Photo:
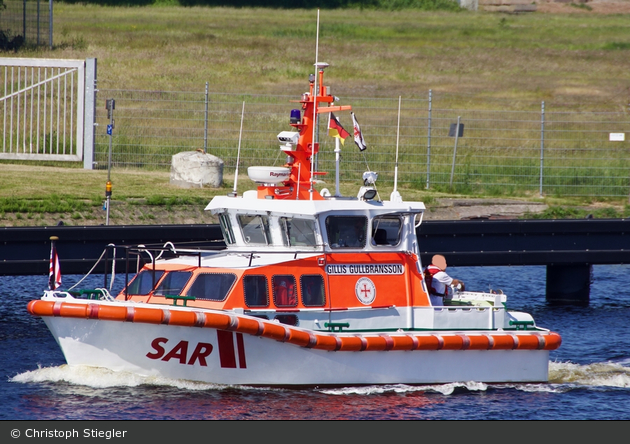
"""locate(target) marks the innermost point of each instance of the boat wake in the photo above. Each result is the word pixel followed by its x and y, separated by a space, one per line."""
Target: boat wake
pixel 563 377
pixel 102 378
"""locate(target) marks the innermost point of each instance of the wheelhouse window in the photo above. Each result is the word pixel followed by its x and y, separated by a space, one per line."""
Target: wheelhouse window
pixel 255 291
pixel 386 230
pixel 312 290
pixel 212 286
pixel 173 283
pixel 144 282
pixel 346 231
pixel 298 232
pixel 255 229
pixel 284 290
pixel 226 228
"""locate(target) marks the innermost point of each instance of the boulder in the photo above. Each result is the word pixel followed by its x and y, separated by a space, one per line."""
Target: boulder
pixel 196 169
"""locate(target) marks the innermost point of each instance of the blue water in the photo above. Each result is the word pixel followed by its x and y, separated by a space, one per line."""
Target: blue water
pixel 589 373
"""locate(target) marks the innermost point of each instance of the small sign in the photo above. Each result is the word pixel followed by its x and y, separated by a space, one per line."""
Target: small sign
pixel 453 129
pixel 109 130
pixel 617 137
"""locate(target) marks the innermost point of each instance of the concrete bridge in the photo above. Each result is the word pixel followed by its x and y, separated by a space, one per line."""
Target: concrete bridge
pixel 568 248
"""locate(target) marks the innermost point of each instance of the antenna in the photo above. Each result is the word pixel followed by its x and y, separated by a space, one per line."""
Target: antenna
pixel 238 155
pixel 395 196
pixel 314 107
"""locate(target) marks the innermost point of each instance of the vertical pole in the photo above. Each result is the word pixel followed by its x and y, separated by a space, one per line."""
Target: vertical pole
pixel 542 145
pixel 238 154
pixel 38 3
pixel 337 153
pixel 205 128
pixel 24 21
pixel 455 151
pixel 429 141
pixel 89 111
pixel 52 274
pixel 395 195
pixel 111 105
pixel 50 23
pixel 315 89
pixel 105 272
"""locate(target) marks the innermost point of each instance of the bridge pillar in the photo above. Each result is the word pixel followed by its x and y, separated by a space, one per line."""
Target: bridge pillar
pixel 569 284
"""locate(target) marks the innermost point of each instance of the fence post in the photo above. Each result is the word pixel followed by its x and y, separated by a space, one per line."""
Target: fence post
pixel 455 151
pixel 38 2
pixel 205 128
pixel 90 114
pixel 542 145
pixel 50 23
pixel 24 20
pixel 429 141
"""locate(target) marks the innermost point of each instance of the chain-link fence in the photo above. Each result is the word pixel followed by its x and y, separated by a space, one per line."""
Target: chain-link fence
pixel 26 22
pixel 499 152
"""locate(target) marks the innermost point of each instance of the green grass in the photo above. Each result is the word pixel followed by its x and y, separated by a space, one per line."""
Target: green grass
pixel 385 52
pixel 470 59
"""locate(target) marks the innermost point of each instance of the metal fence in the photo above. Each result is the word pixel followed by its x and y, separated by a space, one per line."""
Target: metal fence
pixel 532 152
pixel 28 22
pixel 41 109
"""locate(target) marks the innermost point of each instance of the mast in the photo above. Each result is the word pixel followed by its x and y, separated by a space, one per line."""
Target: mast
pixel 300 155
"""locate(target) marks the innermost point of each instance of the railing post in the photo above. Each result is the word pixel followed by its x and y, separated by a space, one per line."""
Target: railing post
pixel 542 145
pixel 429 141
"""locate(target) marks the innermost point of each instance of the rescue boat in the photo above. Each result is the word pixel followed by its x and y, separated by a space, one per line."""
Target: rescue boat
pixel 311 289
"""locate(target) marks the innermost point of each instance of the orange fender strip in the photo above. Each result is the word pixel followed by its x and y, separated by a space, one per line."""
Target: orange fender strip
pixel 40 308
pixel 552 341
pixel 353 343
pixel 182 318
pixel 217 320
pixel 431 342
pixel 325 342
pixel 253 327
pixel 530 342
pixel 455 342
pixel 478 342
pixel 148 315
pixel 109 312
pixel 285 333
pixel 275 331
pixel 503 342
pixel 406 342
pixel 72 310
pixel 301 338
pixel 379 343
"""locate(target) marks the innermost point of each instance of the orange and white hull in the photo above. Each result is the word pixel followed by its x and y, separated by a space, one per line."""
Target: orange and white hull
pixel 228 348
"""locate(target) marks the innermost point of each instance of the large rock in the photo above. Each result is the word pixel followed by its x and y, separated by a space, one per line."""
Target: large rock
pixel 196 169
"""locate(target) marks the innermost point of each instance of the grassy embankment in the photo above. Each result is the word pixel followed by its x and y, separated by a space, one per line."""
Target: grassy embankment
pixel 572 61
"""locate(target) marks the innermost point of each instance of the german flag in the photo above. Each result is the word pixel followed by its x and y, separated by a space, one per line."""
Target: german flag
pixel 335 129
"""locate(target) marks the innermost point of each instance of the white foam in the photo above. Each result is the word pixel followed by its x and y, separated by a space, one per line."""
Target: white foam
pixel 96 377
pixel 445 389
pixel 598 374
pixel 563 376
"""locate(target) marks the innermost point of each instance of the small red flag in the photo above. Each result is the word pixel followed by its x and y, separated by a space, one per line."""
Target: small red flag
pixel 54 274
pixel 358 136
